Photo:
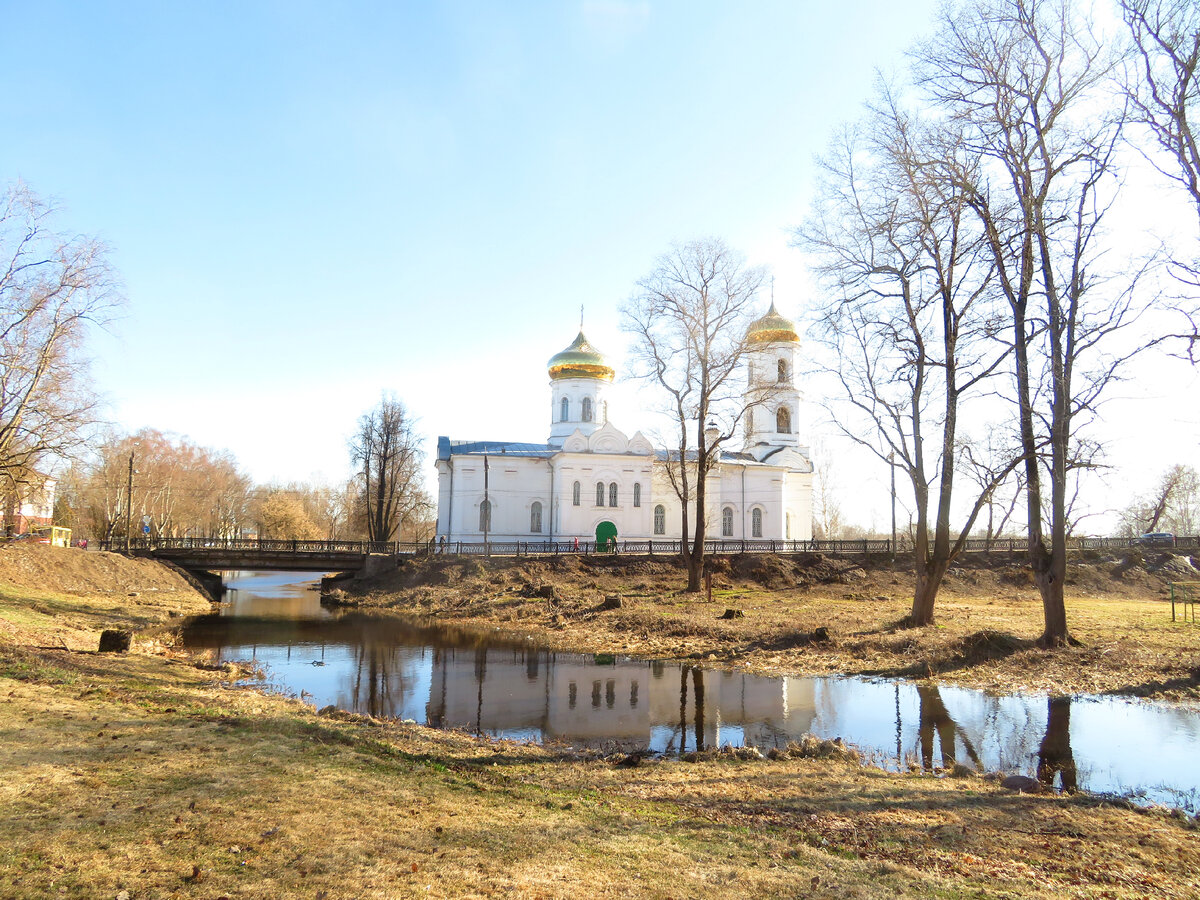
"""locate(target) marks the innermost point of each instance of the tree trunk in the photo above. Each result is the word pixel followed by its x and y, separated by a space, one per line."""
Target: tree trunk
pixel 928 583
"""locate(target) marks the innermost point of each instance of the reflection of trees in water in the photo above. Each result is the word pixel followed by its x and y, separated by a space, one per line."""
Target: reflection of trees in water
pixel 935 719
pixel 371 691
pixel 1054 754
pixel 697 684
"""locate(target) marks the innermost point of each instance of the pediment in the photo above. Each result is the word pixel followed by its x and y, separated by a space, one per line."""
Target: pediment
pixel 640 445
pixel 608 439
pixel 576 443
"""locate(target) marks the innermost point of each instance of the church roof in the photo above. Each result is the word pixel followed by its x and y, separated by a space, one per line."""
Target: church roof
pixel 448 448
pixel 788 461
pixel 771 328
pixel 580 360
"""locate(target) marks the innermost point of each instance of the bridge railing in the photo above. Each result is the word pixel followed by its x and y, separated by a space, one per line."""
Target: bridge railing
pixel 255 545
pixel 561 547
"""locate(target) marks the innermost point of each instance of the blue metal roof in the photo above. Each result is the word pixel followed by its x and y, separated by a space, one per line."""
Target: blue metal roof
pixel 448 448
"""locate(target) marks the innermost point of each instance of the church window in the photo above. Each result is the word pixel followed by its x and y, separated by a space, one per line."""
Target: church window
pixel 587 409
pixel 783 420
pixel 575 494
pixel 756 523
pixel 637 495
pixel 604 412
pixel 782 371
pixel 727 522
pixel 566 410
pixel 485 516
pixel 660 519
pixel 599 493
pixel 612 494
pixel 535 517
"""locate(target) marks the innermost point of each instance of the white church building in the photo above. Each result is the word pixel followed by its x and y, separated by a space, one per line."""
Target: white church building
pixel 592 482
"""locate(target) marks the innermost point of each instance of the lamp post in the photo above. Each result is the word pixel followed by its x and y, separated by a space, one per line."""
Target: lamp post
pixel 129 506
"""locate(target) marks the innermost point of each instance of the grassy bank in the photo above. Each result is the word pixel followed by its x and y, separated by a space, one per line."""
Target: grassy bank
pixel 810 615
pixel 153 774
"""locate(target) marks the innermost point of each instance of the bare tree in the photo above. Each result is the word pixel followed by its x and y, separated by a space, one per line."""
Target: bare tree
pixel 827 511
pixel 909 318
pixel 689 319
pixel 1025 82
pixel 1165 96
pixel 281 515
pixel 51 289
pixel 387 451
pixel 1174 505
pixel 183 488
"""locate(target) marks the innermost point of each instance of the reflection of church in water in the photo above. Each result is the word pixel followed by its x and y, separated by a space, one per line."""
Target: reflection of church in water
pixel 592 481
pixel 637 704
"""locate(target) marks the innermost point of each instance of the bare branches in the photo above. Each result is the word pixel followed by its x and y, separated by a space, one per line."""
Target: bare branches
pixel 387 451
pixel 1165 95
pixel 51 290
pixel 911 317
pixel 689 318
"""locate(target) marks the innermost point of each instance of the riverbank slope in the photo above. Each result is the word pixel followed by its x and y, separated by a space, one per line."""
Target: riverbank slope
pixel 812 614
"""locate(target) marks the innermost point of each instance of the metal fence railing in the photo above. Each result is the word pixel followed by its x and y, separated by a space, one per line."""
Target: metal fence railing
pixel 476 547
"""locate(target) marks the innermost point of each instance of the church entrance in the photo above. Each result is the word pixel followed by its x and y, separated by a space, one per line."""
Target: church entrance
pixel 606 536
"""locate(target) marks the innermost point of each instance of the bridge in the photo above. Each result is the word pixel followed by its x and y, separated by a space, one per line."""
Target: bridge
pixel 208 554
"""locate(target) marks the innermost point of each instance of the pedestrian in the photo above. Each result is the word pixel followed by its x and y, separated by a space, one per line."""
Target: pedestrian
pixel 576 550
pixel 443 544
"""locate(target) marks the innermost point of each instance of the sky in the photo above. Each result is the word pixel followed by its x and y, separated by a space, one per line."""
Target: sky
pixel 312 203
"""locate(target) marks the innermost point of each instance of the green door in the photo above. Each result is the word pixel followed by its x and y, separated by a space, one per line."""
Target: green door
pixel 606 536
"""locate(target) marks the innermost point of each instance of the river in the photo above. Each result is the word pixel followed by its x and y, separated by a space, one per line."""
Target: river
pixel 456 678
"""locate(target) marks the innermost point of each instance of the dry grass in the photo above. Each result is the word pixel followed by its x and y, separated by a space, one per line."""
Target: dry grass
pixel 150 775
pixel 145 774
pixel 985 634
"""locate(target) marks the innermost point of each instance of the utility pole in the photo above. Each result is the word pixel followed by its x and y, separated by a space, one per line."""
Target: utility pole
pixel 487 510
pixel 892 460
pixel 129 505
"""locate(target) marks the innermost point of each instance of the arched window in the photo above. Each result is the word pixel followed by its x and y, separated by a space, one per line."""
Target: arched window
pixel 783 420
pixel 612 494
pixel 535 517
pixel 727 522
pixel 782 371
pixel 566 409
pixel 599 493
pixel 587 409
pixel 660 519
pixel 637 494
pixel 756 523
pixel 485 516
pixel 787 533
pixel 575 494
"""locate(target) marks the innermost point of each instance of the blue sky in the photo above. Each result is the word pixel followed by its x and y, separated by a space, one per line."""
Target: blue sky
pixel 310 203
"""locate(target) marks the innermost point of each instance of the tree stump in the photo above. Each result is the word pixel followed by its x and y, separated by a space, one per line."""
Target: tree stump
pixel 113 640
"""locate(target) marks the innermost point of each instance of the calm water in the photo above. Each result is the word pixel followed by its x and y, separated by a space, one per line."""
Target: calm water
pixel 464 679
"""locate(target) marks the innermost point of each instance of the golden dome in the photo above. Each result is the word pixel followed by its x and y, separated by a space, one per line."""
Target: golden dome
pixel 580 360
pixel 772 328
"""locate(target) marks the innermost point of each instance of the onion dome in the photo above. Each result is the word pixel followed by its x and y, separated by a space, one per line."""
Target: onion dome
pixel 772 328
pixel 580 360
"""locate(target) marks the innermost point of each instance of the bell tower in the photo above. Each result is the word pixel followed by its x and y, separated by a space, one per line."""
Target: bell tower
pixel 772 398
pixel 578 378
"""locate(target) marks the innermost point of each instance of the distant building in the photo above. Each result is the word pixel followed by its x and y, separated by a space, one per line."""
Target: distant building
pixel 592 481
pixel 28 502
